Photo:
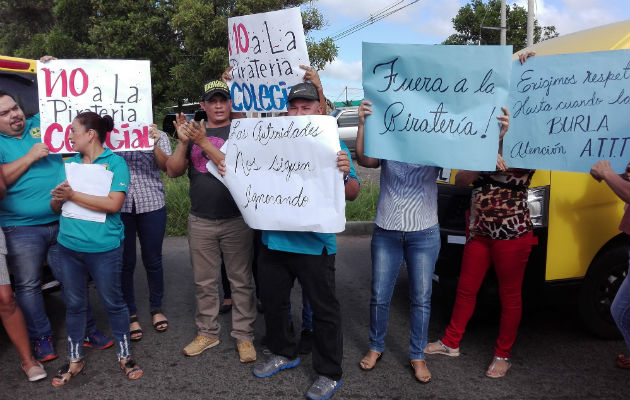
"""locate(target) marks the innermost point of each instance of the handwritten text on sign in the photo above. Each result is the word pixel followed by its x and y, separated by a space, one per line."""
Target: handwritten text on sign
pixel 119 88
pixel 435 105
pixel 283 175
pixel 569 111
pixel 266 51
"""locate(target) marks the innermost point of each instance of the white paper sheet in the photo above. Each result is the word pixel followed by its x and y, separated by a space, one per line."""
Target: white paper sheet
pixel 91 179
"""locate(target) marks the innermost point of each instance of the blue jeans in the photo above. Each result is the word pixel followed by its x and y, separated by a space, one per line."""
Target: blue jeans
pixel 28 247
pixel 620 308
pixel 419 250
pixel 105 269
pixel 150 228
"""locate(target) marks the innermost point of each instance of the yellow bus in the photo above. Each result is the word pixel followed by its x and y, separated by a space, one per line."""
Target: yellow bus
pixel 575 217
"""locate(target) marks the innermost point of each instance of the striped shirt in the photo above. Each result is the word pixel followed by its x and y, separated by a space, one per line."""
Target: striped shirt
pixel 407 201
pixel 146 191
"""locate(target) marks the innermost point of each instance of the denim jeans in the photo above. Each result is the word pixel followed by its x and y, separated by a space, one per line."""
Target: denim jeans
pixel 105 269
pixel 150 227
pixel 419 250
pixel 620 308
pixel 28 247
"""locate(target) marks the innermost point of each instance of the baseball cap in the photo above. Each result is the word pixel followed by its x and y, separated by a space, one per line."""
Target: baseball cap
pixel 213 87
pixel 305 90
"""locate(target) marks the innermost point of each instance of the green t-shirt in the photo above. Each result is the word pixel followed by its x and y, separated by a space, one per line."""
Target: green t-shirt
pixel 27 201
pixel 90 236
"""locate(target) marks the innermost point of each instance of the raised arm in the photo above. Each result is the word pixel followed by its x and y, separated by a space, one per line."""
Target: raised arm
pixel 362 159
pixel 177 163
pixel 160 156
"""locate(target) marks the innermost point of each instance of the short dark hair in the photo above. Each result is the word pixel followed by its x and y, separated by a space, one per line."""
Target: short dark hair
pixel 91 120
pixel 5 93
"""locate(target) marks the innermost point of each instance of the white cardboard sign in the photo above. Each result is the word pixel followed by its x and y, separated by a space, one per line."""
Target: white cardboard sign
pixel 282 173
pixel 120 88
pixel 266 51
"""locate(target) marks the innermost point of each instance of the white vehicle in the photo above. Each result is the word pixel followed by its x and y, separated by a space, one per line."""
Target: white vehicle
pixel 347 125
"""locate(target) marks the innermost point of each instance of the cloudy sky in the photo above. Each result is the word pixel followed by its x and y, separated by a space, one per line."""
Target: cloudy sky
pixel 429 22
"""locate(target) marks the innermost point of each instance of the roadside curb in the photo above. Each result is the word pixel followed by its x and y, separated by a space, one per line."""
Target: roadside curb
pixel 358 228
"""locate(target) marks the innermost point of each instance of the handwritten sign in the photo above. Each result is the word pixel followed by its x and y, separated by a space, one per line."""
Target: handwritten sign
pixel 435 105
pixel 282 173
pixel 119 88
pixel 569 111
pixel 266 51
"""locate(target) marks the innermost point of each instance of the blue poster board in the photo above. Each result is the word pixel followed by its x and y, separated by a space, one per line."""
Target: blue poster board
pixel 570 111
pixel 435 105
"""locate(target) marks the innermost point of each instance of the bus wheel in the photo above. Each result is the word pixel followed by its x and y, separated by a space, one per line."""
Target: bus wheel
pixel 600 286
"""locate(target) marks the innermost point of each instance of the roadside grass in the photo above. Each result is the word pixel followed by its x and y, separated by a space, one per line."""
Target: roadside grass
pixel 178 204
pixel 363 208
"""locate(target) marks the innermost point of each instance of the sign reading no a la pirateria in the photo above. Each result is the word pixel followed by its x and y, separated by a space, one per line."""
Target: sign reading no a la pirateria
pixel 266 51
pixel 119 88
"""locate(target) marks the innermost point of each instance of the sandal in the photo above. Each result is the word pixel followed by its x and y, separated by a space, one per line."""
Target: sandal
pixel 131 369
pixel 623 362
pixel 368 363
pixel 440 348
pixel 137 332
pixel 494 372
pixel 65 373
pixel 422 373
pixel 162 325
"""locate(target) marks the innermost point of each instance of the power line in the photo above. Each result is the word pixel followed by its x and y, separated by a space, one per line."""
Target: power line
pixel 387 11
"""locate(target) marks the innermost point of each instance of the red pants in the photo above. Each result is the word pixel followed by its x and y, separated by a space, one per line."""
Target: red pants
pixel 509 258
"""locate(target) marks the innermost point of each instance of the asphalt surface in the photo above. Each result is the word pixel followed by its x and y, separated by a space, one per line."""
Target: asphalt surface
pixel 553 358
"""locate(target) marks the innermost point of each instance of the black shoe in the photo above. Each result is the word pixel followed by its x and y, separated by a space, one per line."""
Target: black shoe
pixel 306 342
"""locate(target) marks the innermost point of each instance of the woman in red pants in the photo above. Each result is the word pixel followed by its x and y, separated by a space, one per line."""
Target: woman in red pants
pixel 499 233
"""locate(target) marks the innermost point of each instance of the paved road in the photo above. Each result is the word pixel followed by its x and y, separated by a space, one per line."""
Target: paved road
pixel 553 358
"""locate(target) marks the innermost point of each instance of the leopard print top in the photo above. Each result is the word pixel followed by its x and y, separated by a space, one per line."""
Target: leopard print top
pixel 498 207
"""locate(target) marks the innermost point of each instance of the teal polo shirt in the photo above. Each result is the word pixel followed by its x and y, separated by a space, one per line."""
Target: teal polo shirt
pixel 306 242
pixel 96 237
pixel 27 201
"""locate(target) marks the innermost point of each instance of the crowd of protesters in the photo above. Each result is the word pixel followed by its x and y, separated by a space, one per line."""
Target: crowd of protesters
pixel 34 188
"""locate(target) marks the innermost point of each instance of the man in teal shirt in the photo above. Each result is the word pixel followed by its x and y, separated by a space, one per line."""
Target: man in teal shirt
pixel 309 257
pixel 29 224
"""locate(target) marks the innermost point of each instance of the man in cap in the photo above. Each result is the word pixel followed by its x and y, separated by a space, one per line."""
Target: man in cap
pixel 215 228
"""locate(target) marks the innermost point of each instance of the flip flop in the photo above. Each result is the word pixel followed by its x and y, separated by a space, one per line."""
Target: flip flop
pixel 65 374
pixel 417 371
pixel 490 373
pixel 137 332
pixel 159 326
pixel 369 363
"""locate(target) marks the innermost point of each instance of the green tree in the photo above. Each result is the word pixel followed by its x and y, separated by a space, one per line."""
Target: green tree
pixel 186 40
pixel 21 20
pixel 470 18
pixel 202 28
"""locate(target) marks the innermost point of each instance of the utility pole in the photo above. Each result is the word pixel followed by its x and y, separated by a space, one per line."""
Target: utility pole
pixel 530 23
pixel 503 41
